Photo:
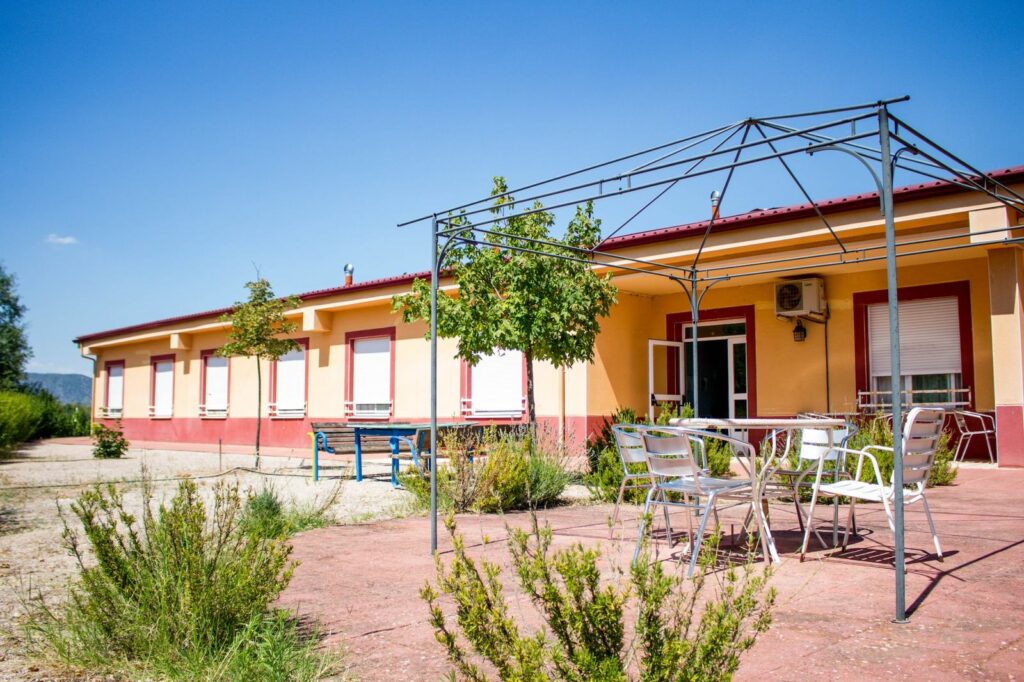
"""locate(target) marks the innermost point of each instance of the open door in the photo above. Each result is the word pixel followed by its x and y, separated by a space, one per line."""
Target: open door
pixel 665 379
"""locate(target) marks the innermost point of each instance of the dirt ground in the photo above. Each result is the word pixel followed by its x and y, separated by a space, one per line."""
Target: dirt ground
pixel 41 477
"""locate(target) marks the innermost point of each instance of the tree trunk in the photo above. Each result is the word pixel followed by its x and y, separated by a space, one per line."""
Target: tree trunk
pixel 259 409
pixel 531 407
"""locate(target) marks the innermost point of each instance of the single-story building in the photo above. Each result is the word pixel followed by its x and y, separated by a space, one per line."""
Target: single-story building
pixel 811 337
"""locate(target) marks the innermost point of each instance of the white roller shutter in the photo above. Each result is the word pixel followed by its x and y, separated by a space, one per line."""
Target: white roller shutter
pixel 163 388
pixel 216 398
pixel 498 384
pixel 929 337
pixel 115 389
pixel 371 376
pixel 291 384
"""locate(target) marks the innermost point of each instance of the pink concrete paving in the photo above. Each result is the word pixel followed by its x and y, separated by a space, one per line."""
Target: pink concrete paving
pixel 833 614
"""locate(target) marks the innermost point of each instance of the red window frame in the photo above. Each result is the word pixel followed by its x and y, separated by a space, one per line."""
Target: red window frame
pixel 350 339
pixel 204 356
pixel 106 387
pixel 960 290
pixel 466 393
pixel 153 360
pixel 272 387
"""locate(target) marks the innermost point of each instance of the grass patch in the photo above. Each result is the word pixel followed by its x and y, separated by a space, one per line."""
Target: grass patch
pixel 267 516
pixel 182 593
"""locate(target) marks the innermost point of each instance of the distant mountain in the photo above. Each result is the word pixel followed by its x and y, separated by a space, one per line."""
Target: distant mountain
pixel 67 388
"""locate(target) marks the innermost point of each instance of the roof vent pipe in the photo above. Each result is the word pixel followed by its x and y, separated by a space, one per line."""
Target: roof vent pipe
pixel 349 269
pixel 716 197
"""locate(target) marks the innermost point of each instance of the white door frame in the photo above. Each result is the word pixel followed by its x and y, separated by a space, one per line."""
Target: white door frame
pixel 654 398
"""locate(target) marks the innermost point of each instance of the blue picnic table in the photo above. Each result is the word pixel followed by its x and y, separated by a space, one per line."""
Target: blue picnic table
pixel 415 435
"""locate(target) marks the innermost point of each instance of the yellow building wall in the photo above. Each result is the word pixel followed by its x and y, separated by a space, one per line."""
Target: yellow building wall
pixel 790 376
pixel 326 378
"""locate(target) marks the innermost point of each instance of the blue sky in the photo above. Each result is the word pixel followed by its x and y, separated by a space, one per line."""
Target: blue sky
pixel 150 153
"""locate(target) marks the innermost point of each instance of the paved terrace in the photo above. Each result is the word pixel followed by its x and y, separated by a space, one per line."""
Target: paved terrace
pixel 832 618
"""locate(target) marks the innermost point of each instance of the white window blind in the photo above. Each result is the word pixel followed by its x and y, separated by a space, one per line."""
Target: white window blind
pixel 929 337
pixel 497 384
pixel 371 377
pixel 291 384
pixel 215 399
pixel 163 388
pixel 115 389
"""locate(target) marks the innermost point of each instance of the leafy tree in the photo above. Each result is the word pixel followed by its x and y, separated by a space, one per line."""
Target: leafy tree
pixel 14 348
pixel 539 304
pixel 257 326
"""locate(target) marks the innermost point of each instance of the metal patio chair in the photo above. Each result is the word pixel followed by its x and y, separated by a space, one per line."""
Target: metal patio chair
pixel 630 447
pixel 920 439
pixel 675 471
pixel 984 425
pixel 817 453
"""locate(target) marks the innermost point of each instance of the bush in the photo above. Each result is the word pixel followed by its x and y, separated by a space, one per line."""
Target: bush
pixel 878 431
pixel 31 414
pixel 586 617
pixel 517 471
pixel 183 594
pixel 266 516
pixel 108 443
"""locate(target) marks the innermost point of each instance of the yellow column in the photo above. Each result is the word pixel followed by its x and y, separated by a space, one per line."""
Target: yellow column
pixel 1006 292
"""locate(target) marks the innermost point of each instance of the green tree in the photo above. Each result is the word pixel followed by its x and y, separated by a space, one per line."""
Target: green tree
pixel 257 326
pixel 539 304
pixel 14 348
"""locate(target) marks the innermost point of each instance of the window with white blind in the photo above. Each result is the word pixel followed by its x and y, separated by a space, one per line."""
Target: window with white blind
pixel 162 397
pixel 930 360
pixel 115 389
pixel 290 385
pixel 215 387
pixel 371 378
pixel 496 386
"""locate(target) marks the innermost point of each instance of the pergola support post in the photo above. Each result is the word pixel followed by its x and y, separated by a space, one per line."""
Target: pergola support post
pixel 894 354
pixel 435 269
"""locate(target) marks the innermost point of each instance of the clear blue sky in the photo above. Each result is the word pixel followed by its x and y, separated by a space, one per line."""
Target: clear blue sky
pixel 150 153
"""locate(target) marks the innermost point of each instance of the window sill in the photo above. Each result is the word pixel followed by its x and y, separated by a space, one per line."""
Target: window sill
pixel 215 417
pixel 287 417
pixel 161 417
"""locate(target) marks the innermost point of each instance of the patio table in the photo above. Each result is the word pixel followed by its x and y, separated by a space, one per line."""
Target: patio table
pixel 760 475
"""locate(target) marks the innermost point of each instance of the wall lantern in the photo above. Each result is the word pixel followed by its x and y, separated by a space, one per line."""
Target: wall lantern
pixel 799 331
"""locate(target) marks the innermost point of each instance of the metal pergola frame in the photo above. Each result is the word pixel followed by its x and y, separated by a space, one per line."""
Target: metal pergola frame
pixel 660 168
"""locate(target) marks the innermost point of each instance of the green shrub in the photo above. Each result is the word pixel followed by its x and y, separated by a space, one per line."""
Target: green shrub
pixel 266 516
pixel 586 637
pixel 108 443
pixel 181 594
pixel 31 413
pixel 878 431
pixel 516 471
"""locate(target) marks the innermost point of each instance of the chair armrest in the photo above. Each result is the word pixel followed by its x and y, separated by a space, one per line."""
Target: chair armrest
pixel 861 454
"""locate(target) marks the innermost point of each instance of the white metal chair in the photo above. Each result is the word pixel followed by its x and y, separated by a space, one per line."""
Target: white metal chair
pixel 984 425
pixel 674 470
pixel 920 439
pixel 630 447
pixel 818 449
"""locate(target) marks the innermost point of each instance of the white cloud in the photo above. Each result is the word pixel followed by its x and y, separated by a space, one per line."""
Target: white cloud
pixel 61 241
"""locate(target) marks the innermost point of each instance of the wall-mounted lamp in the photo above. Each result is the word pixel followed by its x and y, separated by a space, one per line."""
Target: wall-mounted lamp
pixel 799 331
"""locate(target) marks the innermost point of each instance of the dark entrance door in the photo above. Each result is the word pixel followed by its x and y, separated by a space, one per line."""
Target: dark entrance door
pixel 713 373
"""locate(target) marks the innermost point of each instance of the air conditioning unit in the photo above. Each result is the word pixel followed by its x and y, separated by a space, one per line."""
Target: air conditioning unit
pixel 797 297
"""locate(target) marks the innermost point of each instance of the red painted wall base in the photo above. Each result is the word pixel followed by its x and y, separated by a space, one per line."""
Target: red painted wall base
pixel 1010 435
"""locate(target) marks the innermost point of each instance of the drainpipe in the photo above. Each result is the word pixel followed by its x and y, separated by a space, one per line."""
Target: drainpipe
pixel 561 407
pixel 92 391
